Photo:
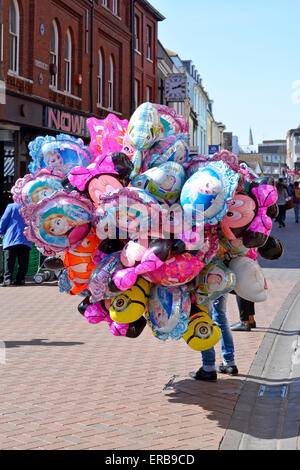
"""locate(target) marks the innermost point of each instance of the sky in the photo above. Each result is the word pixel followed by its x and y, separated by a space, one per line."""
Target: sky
pixel 248 56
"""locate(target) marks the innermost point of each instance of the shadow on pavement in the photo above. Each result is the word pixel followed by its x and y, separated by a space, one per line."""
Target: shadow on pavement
pixel 39 342
pixel 218 402
pixel 275 331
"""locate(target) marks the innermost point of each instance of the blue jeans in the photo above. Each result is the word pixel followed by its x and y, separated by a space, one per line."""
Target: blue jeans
pixel 218 315
pixel 297 211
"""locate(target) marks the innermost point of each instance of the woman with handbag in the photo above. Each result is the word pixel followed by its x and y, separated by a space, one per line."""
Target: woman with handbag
pixel 283 197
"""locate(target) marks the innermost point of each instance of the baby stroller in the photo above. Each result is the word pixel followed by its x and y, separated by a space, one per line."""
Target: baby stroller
pixel 43 274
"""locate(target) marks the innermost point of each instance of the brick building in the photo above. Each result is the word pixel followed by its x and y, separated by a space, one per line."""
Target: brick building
pixel 145 52
pixel 62 61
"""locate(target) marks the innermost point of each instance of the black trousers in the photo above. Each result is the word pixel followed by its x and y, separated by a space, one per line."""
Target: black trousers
pixel 246 308
pixel 20 252
pixel 282 213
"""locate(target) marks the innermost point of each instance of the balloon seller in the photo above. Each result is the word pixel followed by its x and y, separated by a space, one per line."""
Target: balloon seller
pixel 145 234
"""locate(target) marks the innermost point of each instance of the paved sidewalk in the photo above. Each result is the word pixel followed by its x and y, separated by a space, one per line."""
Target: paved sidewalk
pixel 66 384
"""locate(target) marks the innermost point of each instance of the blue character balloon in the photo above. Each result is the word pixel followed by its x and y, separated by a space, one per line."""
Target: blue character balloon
pixel 205 194
pixel 61 153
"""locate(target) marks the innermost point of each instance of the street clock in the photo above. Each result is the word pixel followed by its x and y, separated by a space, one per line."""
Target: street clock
pixel 175 87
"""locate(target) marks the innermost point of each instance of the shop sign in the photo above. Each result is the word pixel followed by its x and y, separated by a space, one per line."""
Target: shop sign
pixel 213 149
pixel 64 121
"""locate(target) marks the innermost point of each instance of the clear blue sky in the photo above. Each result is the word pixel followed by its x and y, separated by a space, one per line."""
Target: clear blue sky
pixel 248 55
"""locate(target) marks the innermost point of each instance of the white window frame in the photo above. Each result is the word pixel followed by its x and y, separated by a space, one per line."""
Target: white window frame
pixel 148 94
pixel 111 84
pixel 148 42
pixel 100 79
pixel 104 3
pixel 68 64
pixel 54 54
pixel 115 7
pixel 136 33
pixel 15 36
pixel 1 42
pixel 136 93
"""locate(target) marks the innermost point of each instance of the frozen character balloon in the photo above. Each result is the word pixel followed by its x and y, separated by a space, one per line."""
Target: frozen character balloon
pixel 62 153
pixel 206 193
pixel 168 312
pixel 59 222
pixel 35 188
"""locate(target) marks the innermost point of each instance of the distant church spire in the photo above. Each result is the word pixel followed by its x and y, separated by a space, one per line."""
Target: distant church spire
pixel 250 137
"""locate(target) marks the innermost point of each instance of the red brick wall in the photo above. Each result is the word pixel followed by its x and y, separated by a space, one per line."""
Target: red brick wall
pixel 145 69
pixel 111 32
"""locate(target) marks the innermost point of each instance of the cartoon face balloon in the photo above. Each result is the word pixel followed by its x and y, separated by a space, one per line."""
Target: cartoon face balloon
pixel 207 191
pixel 213 281
pixel 163 182
pixel 241 212
pixel 60 222
pixel 202 333
pixel 130 305
pixel 168 312
pixel 35 188
pixel 62 153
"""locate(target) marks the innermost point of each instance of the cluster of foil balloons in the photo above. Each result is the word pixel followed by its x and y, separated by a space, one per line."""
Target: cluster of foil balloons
pixel 144 232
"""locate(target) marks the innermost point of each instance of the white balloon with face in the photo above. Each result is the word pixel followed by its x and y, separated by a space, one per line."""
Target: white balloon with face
pixel 250 280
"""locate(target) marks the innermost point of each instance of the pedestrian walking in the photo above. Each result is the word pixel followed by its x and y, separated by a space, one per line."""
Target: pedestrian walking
pixel 283 196
pixel 15 245
pixel 247 312
pixel 296 200
pixel 208 371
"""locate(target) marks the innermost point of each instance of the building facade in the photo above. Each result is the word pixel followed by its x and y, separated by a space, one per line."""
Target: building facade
pixel 62 61
pixel 215 132
pixel 145 52
pixel 293 150
pixel 274 157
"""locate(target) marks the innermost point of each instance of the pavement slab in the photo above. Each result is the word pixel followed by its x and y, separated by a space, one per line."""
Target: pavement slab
pixel 68 384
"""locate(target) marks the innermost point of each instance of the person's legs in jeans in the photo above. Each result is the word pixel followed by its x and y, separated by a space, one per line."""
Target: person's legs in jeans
pixel 23 260
pixel 218 315
pixel 10 254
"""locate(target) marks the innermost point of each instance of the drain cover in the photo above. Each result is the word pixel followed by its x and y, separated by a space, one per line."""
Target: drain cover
pixel 269 391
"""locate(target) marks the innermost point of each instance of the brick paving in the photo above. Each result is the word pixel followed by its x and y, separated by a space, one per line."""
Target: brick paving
pixel 67 384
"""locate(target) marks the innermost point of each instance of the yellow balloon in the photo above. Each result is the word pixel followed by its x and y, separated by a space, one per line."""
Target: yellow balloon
pixel 202 332
pixel 131 304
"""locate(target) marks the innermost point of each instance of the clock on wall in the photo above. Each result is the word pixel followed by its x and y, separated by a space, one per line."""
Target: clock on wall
pixel 175 87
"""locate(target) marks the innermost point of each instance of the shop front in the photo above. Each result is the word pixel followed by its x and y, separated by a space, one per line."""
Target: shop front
pixel 23 119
